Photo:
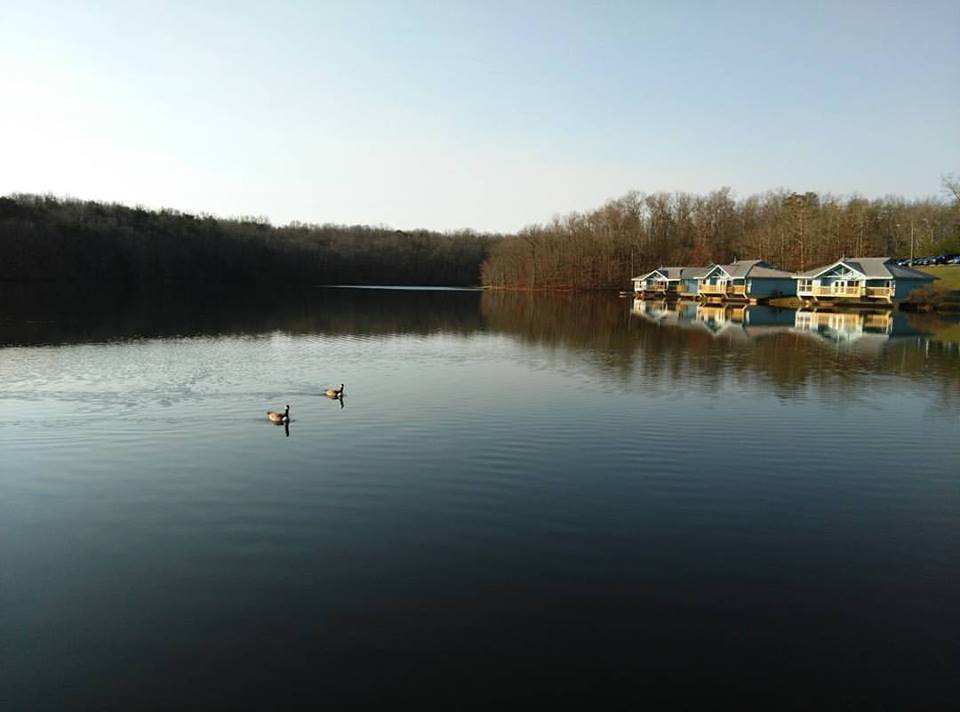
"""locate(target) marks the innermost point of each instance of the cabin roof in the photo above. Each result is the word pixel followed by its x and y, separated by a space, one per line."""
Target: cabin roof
pixel 754 269
pixel 871 268
pixel 674 274
pixel 695 272
pixel 647 274
pixel 713 269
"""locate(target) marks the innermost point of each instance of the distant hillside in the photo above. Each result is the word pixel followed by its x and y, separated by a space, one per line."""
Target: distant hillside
pixel 43 238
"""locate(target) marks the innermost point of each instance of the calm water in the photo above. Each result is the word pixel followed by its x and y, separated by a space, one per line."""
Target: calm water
pixel 556 499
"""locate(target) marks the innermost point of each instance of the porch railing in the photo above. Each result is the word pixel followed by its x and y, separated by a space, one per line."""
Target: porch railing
pixel 833 291
pixel 724 289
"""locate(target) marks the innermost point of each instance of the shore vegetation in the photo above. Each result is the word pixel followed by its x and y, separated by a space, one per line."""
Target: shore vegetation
pixel 49 239
pixel 604 248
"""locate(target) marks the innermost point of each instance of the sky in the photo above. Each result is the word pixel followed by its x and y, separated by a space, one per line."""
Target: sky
pixel 488 115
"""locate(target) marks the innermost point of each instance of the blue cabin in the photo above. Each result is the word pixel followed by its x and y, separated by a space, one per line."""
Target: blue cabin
pixel 860 279
pixel 745 280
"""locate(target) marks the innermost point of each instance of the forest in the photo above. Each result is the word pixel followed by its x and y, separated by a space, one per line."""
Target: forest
pixel 50 239
pixel 604 248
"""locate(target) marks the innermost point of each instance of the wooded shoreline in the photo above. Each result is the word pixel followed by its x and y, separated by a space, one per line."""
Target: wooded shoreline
pixel 632 235
pixel 51 239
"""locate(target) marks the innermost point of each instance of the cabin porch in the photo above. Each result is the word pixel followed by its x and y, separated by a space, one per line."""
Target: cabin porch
pixel 845 291
pixel 724 291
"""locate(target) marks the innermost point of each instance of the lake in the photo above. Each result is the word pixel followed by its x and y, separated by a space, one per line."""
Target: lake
pixel 568 499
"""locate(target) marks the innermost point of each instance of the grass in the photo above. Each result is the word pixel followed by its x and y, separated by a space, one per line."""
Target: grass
pixel 949 275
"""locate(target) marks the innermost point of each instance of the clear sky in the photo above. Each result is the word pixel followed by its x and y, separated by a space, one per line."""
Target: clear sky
pixel 482 114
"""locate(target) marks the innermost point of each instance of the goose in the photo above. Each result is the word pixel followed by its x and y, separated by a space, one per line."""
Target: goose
pixel 275 417
pixel 334 392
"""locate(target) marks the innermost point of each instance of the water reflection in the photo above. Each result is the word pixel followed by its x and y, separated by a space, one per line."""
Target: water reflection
pixel 875 327
pixel 665 348
pixel 752 322
pixel 60 314
pixel 475 508
pixel 731 320
pixel 627 342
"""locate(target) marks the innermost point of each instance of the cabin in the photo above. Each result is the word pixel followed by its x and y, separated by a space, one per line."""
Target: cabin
pixel 745 280
pixel 860 280
pixel 669 283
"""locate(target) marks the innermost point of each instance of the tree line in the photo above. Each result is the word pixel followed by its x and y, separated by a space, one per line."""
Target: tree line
pixel 604 248
pixel 50 239
pixel 47 239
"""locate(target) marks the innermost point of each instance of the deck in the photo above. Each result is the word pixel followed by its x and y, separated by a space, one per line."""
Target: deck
pixel 725 292
pixel 853 293
pixel 664 291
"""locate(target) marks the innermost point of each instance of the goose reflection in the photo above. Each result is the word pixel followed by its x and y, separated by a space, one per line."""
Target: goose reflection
pixel 285 423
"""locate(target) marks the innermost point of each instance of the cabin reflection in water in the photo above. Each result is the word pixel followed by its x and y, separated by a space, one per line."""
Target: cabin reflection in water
pixel 728 320
pixel 750 322
pixel 856 326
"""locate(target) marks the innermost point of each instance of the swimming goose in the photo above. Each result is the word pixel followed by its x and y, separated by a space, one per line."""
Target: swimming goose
pixel 276 417
pixel 334 392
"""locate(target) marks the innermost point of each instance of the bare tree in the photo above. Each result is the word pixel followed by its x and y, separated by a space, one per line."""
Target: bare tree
pixel 951 186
